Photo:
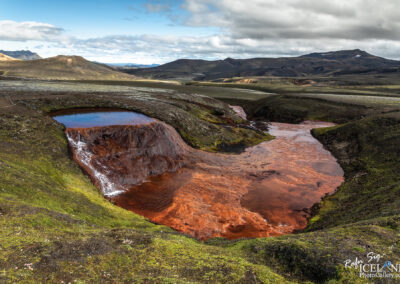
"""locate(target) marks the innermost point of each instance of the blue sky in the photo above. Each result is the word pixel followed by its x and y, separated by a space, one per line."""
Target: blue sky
pixel 154 31
pixel 100 17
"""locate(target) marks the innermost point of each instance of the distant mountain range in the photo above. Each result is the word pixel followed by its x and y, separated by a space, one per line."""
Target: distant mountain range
pixel 132 65
pixel 327 64
pixel 315 64
pixel 61 68
pixel 21 54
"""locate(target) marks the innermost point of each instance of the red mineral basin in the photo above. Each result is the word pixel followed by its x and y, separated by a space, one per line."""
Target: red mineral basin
pixel 261 192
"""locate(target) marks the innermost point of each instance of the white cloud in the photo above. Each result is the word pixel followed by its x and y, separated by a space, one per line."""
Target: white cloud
pixel 156 7
pixel 25 31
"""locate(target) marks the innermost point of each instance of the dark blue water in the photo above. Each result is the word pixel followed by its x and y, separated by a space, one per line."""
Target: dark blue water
pixel 102 118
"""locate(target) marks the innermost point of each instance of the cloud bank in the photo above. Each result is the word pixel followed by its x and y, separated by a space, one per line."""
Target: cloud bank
pixel 251 28
pixel 299 19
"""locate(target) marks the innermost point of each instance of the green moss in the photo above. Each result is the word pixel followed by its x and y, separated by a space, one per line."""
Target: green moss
pixel 368 151
pixel 359 249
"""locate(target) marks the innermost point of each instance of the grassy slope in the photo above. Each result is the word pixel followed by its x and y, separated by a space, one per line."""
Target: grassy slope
pixel 296 109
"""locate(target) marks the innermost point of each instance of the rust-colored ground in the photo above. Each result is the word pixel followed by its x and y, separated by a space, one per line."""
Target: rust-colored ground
pixel 261 192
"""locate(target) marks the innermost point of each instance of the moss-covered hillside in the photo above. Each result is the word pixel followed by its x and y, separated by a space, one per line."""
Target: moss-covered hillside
pixel 369 152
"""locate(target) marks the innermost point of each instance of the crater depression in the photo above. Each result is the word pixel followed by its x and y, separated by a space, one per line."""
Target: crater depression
pixel 143 165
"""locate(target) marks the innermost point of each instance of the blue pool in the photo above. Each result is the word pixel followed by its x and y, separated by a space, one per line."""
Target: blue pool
pixel 101 118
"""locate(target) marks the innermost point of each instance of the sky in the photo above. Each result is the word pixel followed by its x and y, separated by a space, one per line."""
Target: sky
pixel 156 32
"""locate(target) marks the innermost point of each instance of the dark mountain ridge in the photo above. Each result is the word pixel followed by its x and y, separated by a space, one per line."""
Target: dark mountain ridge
pixel 327 64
